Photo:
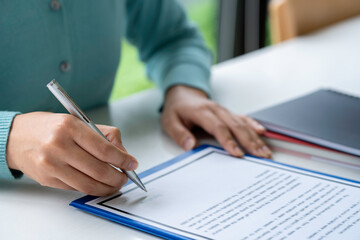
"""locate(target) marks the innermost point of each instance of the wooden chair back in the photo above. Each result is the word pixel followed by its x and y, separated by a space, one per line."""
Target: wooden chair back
pixel 291 18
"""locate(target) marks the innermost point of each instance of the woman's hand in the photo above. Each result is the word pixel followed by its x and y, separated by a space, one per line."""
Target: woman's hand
pixel 186 107
pixel 61 151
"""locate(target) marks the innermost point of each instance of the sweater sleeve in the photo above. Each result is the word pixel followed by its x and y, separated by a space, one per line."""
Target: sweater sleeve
pixel 6 119
pixel 171 46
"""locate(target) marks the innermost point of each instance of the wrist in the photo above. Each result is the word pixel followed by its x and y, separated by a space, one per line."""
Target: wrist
pixel 184 91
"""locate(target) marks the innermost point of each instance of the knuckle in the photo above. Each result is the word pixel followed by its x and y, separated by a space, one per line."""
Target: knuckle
pixel 43 184
pixel 43 181
pixel 203 107
pixel 63 127
pixel 254 137
pixel 249 120
pixel 212 105
pixel 252 145
pixel 238 125
pixel 230 142
pixel 260 142
pixel 46 163
pixel 66 121
pixel 104 150
pixel 90 188
pixel 115 131
pixel 99 172
pixel 220 126
pixel 52 140
pixel 243 118
pixel 246 136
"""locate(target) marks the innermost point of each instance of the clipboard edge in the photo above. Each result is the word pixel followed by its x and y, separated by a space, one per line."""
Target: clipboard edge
pixel 81 205
pixel 81 202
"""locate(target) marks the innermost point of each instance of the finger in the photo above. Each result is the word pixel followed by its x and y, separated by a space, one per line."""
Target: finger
pixel 256 126
pixel 177 131
pixel 239 130
pixel 113 134
pixel 213 125
pixel 56 183
pixel 262 149
pixel 244 134
pixel 102 149
pixel 96 169
pixel 83 183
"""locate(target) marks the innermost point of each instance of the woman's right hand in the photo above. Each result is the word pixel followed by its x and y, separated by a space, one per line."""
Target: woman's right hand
pixel 61 151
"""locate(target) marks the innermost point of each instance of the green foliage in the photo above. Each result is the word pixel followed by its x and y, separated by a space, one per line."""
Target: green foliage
pixel 130 77
pixel 205 15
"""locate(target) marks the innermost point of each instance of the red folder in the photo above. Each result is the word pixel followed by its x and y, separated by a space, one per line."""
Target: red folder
pixel 285 138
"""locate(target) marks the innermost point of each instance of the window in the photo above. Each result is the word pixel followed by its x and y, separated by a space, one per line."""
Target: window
pixel 131 78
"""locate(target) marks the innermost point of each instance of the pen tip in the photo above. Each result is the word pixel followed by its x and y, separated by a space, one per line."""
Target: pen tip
pixel 141 186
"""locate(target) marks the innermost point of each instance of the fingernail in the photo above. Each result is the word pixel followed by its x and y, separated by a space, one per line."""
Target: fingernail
pixel 262 151
pixel 132 165
pixel 260 127
pixel 268 151
pixel 238 151
pixel 189 144
pixel 259 151
pixel 265 151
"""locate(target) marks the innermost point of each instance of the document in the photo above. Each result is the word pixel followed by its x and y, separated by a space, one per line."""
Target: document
pixel 212 195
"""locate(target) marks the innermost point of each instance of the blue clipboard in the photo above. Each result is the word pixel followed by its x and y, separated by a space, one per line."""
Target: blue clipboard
pixel 81 203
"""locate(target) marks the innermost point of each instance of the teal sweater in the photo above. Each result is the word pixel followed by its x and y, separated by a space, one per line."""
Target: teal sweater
pixel 78 44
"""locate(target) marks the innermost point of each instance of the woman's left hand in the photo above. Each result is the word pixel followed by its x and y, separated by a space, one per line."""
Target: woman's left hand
pixel 186 107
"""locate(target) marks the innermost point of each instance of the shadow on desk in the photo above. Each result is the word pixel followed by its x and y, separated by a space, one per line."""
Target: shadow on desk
pixel 28 187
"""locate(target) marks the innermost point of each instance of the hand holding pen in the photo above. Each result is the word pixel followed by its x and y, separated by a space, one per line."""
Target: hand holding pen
pixel 61 151
pixel 74 110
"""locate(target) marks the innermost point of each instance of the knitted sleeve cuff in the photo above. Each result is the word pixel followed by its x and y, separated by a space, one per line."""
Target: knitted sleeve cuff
pixel 6 119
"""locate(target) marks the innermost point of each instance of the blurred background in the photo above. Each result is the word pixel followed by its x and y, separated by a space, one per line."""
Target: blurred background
pixel 235 27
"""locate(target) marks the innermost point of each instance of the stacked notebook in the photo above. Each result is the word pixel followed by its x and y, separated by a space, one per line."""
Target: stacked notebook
pixel 326 118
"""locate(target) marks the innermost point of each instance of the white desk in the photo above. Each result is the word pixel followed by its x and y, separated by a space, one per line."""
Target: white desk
pixel 329 58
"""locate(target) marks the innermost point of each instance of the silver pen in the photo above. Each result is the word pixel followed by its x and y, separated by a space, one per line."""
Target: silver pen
pixel 71 106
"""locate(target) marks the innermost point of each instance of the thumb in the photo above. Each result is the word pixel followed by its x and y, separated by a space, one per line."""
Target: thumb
pixel 181 135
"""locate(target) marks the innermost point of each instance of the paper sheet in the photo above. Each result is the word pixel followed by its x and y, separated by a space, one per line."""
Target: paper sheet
pixel 211 195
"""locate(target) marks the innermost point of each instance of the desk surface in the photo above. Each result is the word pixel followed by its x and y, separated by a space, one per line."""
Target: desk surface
pixel 329 58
